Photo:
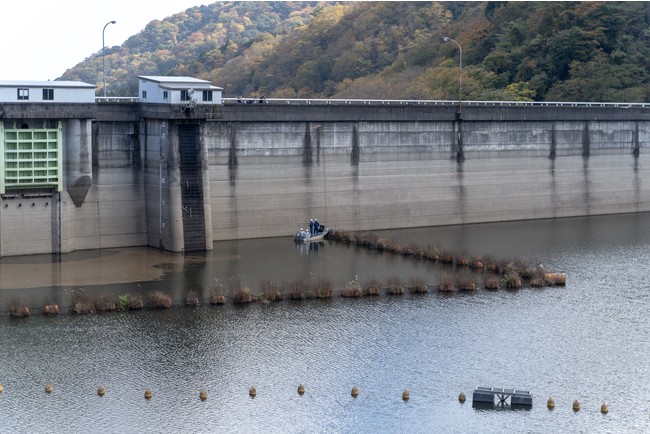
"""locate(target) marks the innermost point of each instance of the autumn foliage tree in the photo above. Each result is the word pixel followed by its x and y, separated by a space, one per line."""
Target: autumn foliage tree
pixel 563 51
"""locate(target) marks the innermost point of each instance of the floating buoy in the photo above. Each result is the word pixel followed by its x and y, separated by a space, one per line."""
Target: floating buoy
pixel 355 392
pixel 252 392
pixel 406 395
pixel 550 404
pixel 604 409
pixel 203 395
pixel 148 394
pixel 301 390
pixel 101 391
pixel 1 388
pixel 461 397
pixel 576 405
pixel 48 388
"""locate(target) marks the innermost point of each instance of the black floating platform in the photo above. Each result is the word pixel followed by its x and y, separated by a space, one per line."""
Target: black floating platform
pixel 487 395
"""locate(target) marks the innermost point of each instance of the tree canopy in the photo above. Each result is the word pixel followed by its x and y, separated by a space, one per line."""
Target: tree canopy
pixel 534 51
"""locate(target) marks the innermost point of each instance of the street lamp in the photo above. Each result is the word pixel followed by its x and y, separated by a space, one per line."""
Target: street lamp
pixel 460 76
pixel 103 55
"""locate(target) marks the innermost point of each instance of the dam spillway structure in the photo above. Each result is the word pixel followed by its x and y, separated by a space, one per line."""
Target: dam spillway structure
pixel 45 142
pixel 178 166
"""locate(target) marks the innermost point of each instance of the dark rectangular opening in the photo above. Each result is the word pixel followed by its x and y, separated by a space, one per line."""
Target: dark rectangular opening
pixel 189 145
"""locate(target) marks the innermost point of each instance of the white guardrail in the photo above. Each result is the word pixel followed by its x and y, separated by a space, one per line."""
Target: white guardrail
pixel 349 101
pixel 117 99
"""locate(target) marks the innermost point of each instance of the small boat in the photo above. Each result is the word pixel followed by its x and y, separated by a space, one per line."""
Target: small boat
pixel 305 236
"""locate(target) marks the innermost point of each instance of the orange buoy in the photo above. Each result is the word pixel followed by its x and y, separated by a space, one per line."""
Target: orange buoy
pixel 462 398
pixel 148 394
pixel 355 392
pixel 604 409
pixel 301 390
pixel 48 388
pixel 101 391
pixel 576 405
pixel 1 388
pixel 203 395
pixel 550 404
pixel 406 395
pixel 252 392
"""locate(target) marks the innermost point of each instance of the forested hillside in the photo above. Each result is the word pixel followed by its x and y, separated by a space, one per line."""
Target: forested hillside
pixel 561 51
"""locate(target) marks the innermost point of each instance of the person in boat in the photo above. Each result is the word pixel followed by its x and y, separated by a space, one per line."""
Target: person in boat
pixel 316 227
pixel 311 227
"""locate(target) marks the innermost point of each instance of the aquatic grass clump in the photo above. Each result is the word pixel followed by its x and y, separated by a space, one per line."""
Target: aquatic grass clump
pixel 134 302
pixel 511 280
pixel 525 270
pixel 491 283
pixel 333 235
pixel 352 288
pixel 418 285
pixel 396 249
pixel 50 309
pixel 394 286
pixel 447 257
pixel 383 244
pixel 338 235
pixel 420 252
pixel 241 293
pixel 217 294
pixel 476 263
pixel 106 303
pixel 159 300
pixel 243 296
pixel 409 250
pixel 462 260
pixel 122 301
pixel 537 282
pixel 17 308
pixel 191 298
pixel 82 304
pixel 372 287
pixel 507 266
pixel 323 288
pixel 465 282
pixel 491 264
pixel 433 254
pixel 446 283
pixel 270 291
pixel 295 290
pixel 367 239
pixel 537 279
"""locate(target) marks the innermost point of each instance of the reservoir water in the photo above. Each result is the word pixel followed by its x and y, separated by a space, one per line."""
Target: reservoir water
pixel 588 341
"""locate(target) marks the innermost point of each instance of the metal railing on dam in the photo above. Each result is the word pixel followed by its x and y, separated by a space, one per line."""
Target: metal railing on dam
pixel 444 103
pixel 116 99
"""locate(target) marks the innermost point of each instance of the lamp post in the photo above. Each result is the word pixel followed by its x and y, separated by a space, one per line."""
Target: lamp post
pixel 103 55
pixel 460 75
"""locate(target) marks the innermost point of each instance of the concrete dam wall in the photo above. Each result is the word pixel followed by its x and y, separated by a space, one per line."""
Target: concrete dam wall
pixel 139 174
pixel 269 177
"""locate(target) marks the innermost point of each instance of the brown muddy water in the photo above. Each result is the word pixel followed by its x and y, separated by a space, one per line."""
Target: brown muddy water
pixel 588 341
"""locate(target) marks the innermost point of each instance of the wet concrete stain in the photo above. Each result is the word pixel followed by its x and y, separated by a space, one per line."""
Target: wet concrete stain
pixel 355 153
pixel 233 163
